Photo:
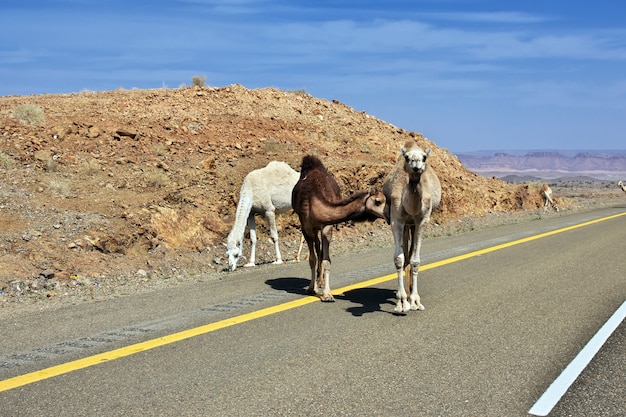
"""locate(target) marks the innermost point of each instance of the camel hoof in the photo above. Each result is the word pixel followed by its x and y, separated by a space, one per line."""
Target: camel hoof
pixel 402 307
pixel 277 262
pixel 328 299
pixel 416 307
pixel 249 265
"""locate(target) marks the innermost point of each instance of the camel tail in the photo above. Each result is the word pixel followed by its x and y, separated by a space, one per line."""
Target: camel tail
pixel 309 162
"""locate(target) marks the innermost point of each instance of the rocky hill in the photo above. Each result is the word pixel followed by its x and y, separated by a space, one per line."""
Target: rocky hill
pixel 131 186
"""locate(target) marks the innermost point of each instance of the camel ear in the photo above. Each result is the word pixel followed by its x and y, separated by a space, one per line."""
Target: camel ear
pixel 403 151
pixel 427 152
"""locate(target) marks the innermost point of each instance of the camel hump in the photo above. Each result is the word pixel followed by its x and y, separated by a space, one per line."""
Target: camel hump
pixel 310 162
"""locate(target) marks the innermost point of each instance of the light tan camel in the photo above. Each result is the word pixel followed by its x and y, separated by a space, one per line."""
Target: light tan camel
pixel 412 190
pixel 621 185
pixel 546 195
pixel 265 191
pixel 317 201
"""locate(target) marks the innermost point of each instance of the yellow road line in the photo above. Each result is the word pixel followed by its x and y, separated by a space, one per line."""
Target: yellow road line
pixel 458 258
pixel 68 367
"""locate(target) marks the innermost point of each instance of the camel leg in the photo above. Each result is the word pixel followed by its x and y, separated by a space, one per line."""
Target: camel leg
pixel 553 204
pixel 414 261
pixel 300 249
pixel 312 242
pixel 402 304
pixel 324 272
pixel 252 227
pixel 271 219
pixel 547 199
pixel 406 239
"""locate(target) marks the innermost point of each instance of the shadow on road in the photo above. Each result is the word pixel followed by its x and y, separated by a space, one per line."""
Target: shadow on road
pixel 370 300
pixel 289 284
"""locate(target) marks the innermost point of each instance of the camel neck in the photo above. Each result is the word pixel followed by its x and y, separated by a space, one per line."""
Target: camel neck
pixel 341 211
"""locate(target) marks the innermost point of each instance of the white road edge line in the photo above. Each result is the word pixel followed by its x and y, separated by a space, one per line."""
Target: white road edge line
pixel 553 394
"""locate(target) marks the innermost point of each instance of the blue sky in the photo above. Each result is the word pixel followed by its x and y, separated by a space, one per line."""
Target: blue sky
pixel 468 74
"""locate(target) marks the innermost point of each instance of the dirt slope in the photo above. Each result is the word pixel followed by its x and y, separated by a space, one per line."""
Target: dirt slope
pixel 128 186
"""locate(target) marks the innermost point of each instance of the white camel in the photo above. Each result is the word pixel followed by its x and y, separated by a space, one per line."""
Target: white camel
pixel 621 185
pixel 265 191
pixel 546 194
pixel 412 191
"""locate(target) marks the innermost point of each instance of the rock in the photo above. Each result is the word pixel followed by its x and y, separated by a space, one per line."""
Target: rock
pixel 50 285
pixel 127 133
pixel 46 274
pixel 93 132
pixel 43 155
pixel 18 286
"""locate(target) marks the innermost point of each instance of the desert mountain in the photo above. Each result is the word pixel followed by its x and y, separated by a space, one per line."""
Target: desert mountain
pixel 600 164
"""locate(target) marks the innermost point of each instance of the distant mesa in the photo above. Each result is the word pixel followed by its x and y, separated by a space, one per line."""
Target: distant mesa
pixel 545 164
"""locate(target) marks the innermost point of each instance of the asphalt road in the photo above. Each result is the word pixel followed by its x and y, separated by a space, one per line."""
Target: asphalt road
pixel 498 328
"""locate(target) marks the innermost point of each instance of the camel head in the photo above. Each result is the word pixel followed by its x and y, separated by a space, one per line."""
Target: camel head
pixel 374 208
pixel 233 251
pixel 620 183
pixel 375 204
pixel 414 159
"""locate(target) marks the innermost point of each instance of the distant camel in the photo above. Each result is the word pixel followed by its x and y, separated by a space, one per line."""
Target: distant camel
pixel 621 185
pixel 412 190
pixel 317 201
pixel 265 191
pixel 546 194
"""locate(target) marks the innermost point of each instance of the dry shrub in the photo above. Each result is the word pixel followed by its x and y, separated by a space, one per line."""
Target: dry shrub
pixel 159 149
pixel 29 113
pixel 61 188
pixel 157 178
pixel 90 167
pixel 6 162
pixel 199 81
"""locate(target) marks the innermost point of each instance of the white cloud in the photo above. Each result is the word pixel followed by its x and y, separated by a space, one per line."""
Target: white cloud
pixel 485 17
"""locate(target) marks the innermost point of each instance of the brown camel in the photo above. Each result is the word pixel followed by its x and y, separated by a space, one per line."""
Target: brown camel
pixel 412 190
pixel 317 200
